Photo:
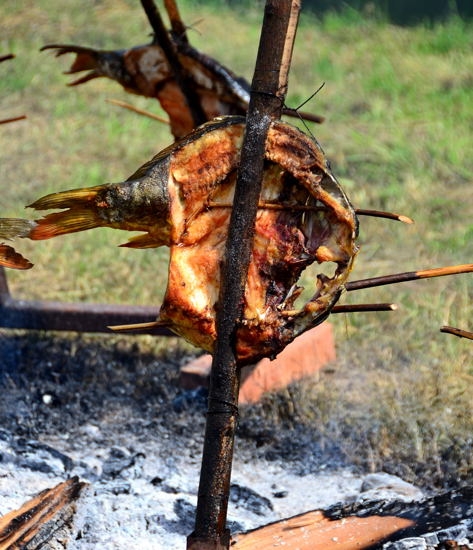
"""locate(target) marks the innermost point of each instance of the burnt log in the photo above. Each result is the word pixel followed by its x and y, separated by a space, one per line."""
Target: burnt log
pixel 440 522
pixel 43 522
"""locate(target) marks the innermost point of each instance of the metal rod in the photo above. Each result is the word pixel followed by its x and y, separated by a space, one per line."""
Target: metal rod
pixel 74 317
pixel 268 90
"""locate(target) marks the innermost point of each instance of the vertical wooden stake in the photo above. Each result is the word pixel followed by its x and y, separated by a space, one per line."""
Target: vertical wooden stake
pixel 268 91
pixel 162 39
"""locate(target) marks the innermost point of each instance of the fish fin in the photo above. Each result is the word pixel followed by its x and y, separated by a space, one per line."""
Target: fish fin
pixel 62 223
pixel 9 257
pixel 81 213
pixel 142 241
pixel 67 199
pixel 11 228
pixel 86 57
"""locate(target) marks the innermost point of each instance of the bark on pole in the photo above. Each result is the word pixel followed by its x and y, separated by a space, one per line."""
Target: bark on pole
pixel 268 91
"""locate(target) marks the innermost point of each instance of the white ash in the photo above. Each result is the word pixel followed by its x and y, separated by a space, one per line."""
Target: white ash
pixel 144 496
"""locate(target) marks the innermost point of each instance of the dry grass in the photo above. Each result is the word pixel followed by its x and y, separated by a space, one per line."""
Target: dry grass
pixel 399 109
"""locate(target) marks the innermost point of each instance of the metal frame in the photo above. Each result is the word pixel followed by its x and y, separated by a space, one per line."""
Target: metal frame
pixel 75 317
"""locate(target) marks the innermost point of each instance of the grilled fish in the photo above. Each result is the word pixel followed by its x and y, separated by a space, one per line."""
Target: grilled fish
pixel 145 70
pixel 183 197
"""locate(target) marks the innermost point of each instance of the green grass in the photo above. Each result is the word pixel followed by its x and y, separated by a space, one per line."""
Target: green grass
pixel 399 113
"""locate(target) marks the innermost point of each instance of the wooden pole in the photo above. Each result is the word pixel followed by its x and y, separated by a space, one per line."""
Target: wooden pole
pixel 268 91
pixel 161 37
pixel 177 26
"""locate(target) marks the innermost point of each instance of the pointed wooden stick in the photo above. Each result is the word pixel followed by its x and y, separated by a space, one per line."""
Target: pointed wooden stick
pixel 13 119
pixel 357 308
pixel 457 332
pixel 304 115
pixel 314 208
pixel 271 206
pixel 408 276
pixel 138 326
pixel 268 91
pixel 178 28
pixel 162 38
pixel 130 107
pixel 382 214
pixel 6 57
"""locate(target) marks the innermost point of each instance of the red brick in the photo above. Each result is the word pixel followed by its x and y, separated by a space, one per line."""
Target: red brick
pixel 306 355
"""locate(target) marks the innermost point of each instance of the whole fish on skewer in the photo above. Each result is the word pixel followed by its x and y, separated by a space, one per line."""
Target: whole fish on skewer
pixel 145 70
pixel 183 197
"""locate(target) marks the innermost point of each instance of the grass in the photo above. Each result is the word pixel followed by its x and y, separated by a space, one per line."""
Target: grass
pixel 399 112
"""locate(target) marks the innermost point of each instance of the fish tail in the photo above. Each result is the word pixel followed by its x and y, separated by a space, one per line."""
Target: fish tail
pixel 10 228
pixel 87 59
pixel 80 213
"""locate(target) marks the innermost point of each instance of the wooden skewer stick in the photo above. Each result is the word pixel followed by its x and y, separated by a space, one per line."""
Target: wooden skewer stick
pixel 268 91
pixel 271 206
pixel 14 119
pixel 162 38
pixel 382 214
pixel 356 308
pixel 408 276
pixel 143 112
pixel 6 57
pixel 315 208
pixel 178 27
pixel 138 326
pixel 346 308
pixel 457 332
pixel 304 115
